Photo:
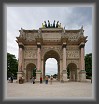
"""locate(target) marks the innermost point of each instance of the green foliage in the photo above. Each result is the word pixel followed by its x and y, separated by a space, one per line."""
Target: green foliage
pixel 55 76
pixel 34 72
pixel 88 65
pixel 12 65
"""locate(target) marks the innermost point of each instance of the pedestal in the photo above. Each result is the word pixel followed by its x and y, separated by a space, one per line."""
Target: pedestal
pixel 19 74
pixel 38 75
pixel 64 78
pixel 82 76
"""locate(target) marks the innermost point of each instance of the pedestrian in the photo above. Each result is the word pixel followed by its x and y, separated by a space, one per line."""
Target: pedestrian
pixel 51 78
pixel 46 79
pixel 40 79
pixel 11 79
pixel 33 80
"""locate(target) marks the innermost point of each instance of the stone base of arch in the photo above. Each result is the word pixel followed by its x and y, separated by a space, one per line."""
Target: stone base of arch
pixel 38 75
pixel 82 76
pixel 19 74
pixel 64 75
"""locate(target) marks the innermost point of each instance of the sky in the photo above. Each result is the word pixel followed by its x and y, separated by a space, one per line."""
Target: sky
pixel 32 17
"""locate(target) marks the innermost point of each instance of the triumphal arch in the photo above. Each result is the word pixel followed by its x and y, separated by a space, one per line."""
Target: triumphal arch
pixel 66 46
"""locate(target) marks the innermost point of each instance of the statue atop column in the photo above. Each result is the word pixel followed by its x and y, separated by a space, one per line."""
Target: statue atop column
pixel 51 26
pixel 57 24
pixel 81 30
pixel 48 24
pixel 22 32
pixel 54 24
pixel 45 24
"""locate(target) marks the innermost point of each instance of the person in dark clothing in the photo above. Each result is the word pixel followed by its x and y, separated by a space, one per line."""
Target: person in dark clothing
pixel 46 79
pixel 40 79
pixel 33 80
pixel 11 79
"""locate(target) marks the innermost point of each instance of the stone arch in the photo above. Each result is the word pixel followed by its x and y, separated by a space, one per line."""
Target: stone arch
pixel 52 54
pixel 50 49
pixel 73 61
pixel 72 71
pixel 28 62
pixel 29 71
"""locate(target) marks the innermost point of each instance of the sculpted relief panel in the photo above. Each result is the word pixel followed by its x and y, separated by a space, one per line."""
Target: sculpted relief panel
pixel 72 54
pixel 48 48
pixel 51 36
pixel 73 61
pixel 30 37
pixel 73 36
pixel 28 61
pixel 30 52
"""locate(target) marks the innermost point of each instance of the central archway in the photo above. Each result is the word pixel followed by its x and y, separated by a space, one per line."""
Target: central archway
pixel 55 55
pixel 51 67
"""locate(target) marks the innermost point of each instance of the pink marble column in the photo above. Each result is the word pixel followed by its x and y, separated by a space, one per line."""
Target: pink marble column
pixel 64 56
pixel 38 57
pixel 20 58
pixel 82 58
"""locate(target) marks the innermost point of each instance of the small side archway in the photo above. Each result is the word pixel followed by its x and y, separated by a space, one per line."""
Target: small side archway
pixel 30 71
pixel 72 72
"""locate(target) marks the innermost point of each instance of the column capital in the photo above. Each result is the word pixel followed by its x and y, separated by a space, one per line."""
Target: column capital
pixel 21 45
pixel 38 45
pixel 64 45
pixel 82 45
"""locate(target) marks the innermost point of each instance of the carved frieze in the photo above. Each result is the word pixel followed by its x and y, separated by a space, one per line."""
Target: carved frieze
pixel 30 36
pixel 30 52
pixel 73 61
pixel 54 48
pixel 73 36
pixel 72 48
pixel 28 61
pixel 72 54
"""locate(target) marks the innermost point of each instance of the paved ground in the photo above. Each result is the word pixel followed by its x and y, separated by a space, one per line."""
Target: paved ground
pixel 56 90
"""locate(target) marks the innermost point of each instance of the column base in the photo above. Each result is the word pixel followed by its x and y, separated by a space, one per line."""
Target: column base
pixel 64 77
pixel 38 75
pixel 19 74
pixel 82 76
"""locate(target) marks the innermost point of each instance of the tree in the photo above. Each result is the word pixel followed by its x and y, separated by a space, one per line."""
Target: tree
pixel 12 65
pixel 88 65
pixel 55 76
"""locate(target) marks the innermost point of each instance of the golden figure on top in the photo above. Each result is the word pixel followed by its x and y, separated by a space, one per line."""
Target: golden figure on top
pixel 59 25
pixel 43 26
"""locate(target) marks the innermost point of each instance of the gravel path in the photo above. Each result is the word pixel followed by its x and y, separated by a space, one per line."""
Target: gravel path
pixel 56 90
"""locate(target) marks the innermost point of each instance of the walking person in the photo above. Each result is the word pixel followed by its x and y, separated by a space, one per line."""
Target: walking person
pixel 51 78
pixel 33 80
pixel 11 79
pixel 40 79
pixel 46 79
